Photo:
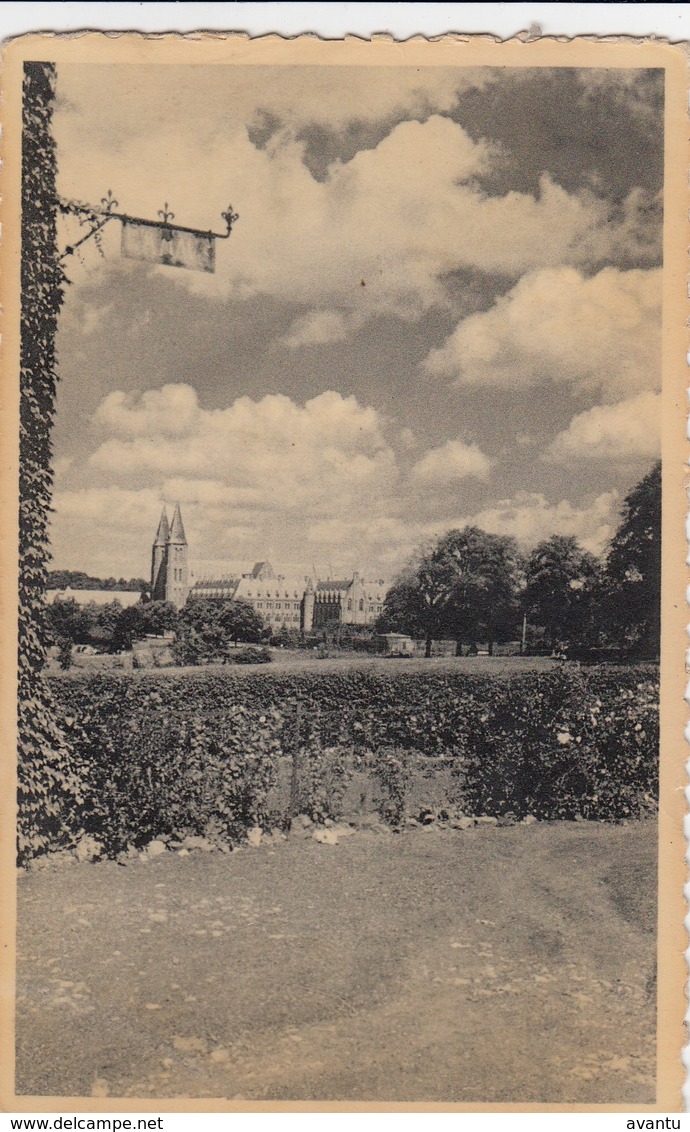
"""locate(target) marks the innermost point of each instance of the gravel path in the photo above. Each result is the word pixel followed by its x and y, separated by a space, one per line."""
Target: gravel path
pixel 494 964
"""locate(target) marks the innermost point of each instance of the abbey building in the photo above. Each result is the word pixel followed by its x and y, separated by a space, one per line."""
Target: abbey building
pixel 300 602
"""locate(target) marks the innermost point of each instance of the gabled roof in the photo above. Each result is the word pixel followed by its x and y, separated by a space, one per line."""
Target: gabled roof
pixel 280 587
pixel 335 585
pixel 262 570
pixel 177 530
pixel 203 584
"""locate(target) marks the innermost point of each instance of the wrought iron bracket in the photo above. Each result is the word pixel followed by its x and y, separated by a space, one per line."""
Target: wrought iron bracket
pixel 99 217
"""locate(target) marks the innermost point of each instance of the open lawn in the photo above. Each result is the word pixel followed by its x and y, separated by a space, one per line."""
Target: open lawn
pixel 487 965
pixel 299 660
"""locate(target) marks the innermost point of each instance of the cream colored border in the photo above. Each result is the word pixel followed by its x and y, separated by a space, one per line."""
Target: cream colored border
pixel 459 51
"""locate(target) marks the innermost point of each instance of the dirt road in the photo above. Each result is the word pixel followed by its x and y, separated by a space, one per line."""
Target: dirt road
pixel 485 965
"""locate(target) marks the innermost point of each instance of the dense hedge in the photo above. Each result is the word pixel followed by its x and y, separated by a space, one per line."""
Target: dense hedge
pixel 162 753
pixel 562 745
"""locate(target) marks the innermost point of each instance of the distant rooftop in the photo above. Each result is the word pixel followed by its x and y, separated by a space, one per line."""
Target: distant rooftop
pixel 124 598
pixel 216 583
pixel 338 584
pixel 262 570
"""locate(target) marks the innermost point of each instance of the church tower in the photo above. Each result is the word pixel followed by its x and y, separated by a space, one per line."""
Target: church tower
pixel 177 568
pixel 169 565
pixel 159 559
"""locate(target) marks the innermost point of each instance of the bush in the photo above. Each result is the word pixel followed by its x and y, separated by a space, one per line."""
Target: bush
pixel 205 627
pixel 392 771
pixel 321 776
pixel 189 649
pixel 185 752
pixel 579 745
pixel 250 656
pixel 147 770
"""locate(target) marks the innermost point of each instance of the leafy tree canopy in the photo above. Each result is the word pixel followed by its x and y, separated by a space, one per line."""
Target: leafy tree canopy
pixel 89 624
pixel 561 593
pixel 633 566
pixel 416 603
pixel 466 586
pixel 484 574
pixel 206 627
pixel 142 619
pixel 69 621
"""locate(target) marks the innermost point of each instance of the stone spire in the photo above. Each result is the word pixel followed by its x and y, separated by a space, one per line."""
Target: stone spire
pixel 159 559
pixel 176 565
pixel 163 533
pixel 177 534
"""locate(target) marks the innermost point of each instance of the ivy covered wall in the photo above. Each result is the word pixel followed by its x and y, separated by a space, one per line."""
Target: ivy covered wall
pixel 46 779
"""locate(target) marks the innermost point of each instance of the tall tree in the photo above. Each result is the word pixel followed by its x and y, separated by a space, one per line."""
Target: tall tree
pixel 402 612
pixel 69 621
pixel 484 575
pixel 562 582
pixel 633 566
pixel 145 617
pixel 105 622
pixel 418 600
pixel 465 586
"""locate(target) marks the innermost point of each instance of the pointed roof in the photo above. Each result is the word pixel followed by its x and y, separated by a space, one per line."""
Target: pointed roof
pixel 177 530
pixel 163 532
pixel 262 570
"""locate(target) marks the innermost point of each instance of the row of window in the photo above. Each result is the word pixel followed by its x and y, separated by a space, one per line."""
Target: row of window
pixel 249 593
pixel 350 606
pixel 278 605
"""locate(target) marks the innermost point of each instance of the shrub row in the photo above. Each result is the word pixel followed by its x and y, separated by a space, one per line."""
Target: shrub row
pixel 203 751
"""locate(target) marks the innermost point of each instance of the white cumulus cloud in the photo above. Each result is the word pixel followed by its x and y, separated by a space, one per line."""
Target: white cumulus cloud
pixel 597 334
pixel 628 430
pixel 452 461
pixel 530 517
pixel 170 411
pixel 318 327
pixel 325 455
pixel 400 215
pixel 336 100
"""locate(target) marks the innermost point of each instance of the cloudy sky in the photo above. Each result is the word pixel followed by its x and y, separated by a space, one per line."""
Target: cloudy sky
pixel 440 305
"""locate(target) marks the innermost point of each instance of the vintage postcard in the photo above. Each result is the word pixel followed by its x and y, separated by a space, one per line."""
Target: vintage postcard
pixel 344 390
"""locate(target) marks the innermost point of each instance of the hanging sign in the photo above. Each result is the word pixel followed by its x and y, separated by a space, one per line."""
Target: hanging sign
pixel 156 241
pixel 171 246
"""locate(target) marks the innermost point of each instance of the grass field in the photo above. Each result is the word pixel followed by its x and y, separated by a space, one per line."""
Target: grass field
pixel 299 660
pixel 491 965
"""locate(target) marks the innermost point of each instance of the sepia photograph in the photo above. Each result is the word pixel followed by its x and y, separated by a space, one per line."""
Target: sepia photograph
pixel 342 377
